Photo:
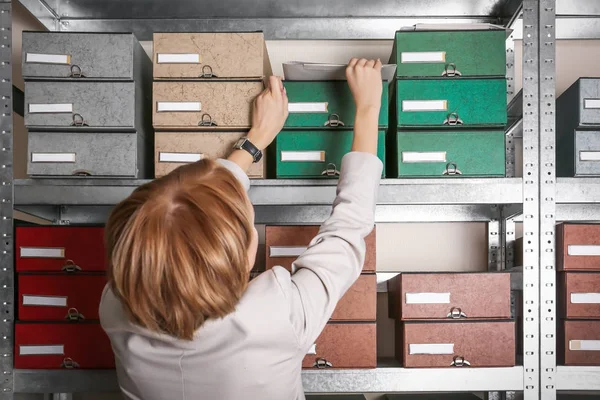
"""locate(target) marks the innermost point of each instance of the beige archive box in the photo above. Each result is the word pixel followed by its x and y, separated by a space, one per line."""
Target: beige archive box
pixel 204 105
pixel 226 55
pixel 173 149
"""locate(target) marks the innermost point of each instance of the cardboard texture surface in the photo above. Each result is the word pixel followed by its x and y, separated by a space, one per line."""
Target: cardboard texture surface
pixel 345 346
pixel 482 344
pixel 209 144
pixel 80 292
pixel 568 234
pixel 586 288
pixel 477 295
pixel 471 53
pixel 571 333
pixel 440 154
pixel 226 104
pixel 81 247
pixel 85 344
pixel 301 236
pixel 226 55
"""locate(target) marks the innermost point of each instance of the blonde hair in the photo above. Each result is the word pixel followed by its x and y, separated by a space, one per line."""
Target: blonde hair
pixel 178 248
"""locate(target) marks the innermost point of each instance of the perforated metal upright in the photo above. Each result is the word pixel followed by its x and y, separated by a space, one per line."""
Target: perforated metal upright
pixel 547 137
pixel 6 204
pixel 531 197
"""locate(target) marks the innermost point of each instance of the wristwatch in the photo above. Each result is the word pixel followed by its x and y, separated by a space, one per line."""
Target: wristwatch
pixel 245 144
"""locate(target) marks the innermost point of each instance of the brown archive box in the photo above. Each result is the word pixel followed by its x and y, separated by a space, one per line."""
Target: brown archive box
pixel 579 343
pixel 416 296
pixel 226 55
pixel 579 294
pixel 285 243
pixel 173 149
pixel 344 346
pixel 578 247
pixel 456 344
pixel 203 105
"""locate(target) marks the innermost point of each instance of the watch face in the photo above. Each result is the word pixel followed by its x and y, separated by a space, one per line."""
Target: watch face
pixel 238 145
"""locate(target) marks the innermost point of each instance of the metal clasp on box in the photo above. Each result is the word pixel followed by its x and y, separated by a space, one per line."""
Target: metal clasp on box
pixel 334 121
pixel 452 169
pixel 331 170
pixel 450 71
pixel 456 313
pixel 76 72
pixel 68 363
pixel 78 120
pixel 453 120
pixel 459 361
pixel 70 266
pixel 82 173
pixel 74 315
pixel 322 363
pixel 207 72
pixel 207 121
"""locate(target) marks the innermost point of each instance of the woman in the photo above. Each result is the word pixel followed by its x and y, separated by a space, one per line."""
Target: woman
pixel 183 318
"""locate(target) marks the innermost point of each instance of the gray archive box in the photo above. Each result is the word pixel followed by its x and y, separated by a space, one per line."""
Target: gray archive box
pixel 98 154
pixel 84 105
pixel 578 129
pixel 579 105
pixel 97 56
pixel 578 153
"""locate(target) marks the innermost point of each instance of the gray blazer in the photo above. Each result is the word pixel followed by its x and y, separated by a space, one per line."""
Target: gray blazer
pixel 256 352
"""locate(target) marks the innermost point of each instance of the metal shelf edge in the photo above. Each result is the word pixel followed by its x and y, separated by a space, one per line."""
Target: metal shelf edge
pixel 326 381
pixel 284 192
pixel 578 378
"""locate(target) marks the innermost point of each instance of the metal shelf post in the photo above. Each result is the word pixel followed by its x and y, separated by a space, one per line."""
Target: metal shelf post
pixel 7 285
pixel 531 197
pixel 547 135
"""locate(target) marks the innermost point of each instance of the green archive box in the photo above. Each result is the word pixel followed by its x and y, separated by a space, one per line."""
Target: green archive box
pixel 467 53
pixel 314 153
pixel 452 103
pixel 421 154
pixel 319 104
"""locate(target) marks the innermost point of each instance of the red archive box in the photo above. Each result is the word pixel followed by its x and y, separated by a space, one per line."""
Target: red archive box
pixel 62 345
pixel 59 297
pixel 59 248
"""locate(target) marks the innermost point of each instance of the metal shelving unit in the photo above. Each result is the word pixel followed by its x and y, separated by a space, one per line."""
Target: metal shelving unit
pixel 539 197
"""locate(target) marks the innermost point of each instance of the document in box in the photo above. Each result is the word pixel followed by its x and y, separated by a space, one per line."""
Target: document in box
pixel 306 71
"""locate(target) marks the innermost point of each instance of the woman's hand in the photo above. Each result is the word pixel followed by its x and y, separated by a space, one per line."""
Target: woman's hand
pixel 269 114
pixel 364 79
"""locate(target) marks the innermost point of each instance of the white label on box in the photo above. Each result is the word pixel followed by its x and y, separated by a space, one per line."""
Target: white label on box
pixel 172 58
pixel 424 105
pixel 179 157
pixel 42 252
pixel 589 156
pixel 48 301
pixel 50 108
pixel 591 103
pixel 583 250
pixel 427 298
pixel 431 348
pixel 47 58
pixel 286 251
pixel 423 156
pixel 57 349
pixel 52 157
pixel 314 156
pixel 423 57
pixel 312 350
pixel 308 107
pixel 584 345
pixel 180 106
pixel 585 298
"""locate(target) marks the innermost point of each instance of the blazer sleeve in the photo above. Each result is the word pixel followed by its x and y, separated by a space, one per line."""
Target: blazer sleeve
pixel 334 259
